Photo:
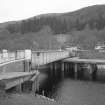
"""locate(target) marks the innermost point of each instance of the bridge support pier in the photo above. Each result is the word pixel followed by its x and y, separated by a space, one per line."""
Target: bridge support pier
pixel 93 71
pixel 19 88
pixel 62 69
pixel 81 70
pixel 55 68
pixel 71 69
pixel 51 68
pixel 35 85
pixel 90 71
pixel 27 66
pixel 66 67
pixel 63 66
pixel 75 70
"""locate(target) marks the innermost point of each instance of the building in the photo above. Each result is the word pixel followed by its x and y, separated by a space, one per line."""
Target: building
pixel 100 46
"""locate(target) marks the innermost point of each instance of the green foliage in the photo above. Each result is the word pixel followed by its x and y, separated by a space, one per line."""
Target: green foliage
pixel 92 16
pixel 85 27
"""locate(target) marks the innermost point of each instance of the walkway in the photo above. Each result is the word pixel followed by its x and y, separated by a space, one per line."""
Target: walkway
pixel 90 61
pixel 15 78
pixel 11 75
pixel 45 57
pixel 12 79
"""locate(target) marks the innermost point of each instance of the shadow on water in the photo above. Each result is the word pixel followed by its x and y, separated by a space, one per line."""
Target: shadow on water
pixel 54 83
pixel 50 80
pixel 48 85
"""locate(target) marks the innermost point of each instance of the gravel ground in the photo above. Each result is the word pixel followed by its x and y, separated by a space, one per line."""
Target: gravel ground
pixel 25 99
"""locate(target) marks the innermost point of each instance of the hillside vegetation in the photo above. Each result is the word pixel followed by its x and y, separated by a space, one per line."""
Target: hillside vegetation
pixel 85 28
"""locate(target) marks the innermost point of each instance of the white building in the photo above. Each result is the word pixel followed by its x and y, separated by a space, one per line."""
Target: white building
pixel 100 47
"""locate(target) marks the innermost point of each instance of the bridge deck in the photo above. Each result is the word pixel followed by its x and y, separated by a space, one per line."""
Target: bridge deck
pixel 77 60
pixel 11 75
pixel 13 79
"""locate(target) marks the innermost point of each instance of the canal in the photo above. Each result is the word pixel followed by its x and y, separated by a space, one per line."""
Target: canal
pixel 63 88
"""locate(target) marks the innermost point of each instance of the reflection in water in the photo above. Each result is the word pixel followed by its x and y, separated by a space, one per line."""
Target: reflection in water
pixel 70 91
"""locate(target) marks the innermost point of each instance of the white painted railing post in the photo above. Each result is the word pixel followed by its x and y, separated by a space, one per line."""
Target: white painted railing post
pixel 5 55
pixel 28 54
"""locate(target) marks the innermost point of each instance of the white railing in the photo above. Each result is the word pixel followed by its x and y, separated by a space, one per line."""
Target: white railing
pixel 45 57
pixel 7 56
pixel 10 56
pixel 37 57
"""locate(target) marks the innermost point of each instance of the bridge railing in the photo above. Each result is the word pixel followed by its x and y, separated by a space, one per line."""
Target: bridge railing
pixel 44 57
pixel 7 56
pixel 37 57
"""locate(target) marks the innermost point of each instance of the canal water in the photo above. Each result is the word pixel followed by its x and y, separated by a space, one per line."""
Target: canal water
pixel 65 89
